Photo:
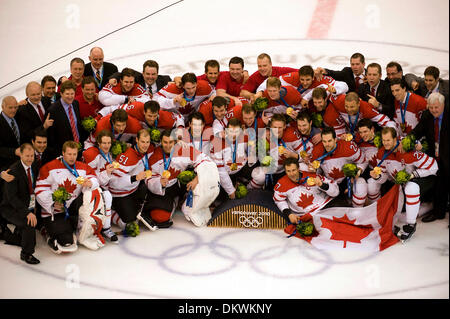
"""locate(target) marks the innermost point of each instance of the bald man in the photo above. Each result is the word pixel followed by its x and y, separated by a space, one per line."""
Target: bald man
pixel 10 133
pixel 9 142
pixel 99 69
pixel 31 115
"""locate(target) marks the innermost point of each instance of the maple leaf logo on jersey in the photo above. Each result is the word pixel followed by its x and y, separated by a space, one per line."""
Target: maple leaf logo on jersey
pixel 373 161
pixel 69 186
pixel 345 229
pixel 394 173
pixel 336 173
pixel 305 200
pixel 173 172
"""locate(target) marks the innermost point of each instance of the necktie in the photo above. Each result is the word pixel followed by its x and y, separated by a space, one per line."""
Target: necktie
pixel 38 159
pixel 72 125
pixel 98 77
pixel 15 131
pixel 436 136
pixel 41 114
pixel 30 182
pixel 357 83
pixel 372 92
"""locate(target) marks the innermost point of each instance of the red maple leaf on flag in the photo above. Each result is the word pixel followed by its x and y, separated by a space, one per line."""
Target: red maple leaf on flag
pixel 345 229
pixel 69 186
pixel 305 200
pixel 336 173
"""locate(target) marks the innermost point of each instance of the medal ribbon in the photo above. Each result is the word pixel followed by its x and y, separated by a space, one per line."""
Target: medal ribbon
pixel 403 110
pixel 322 158
pixel 107 157
pixel 353 125
pixel 167 163
pixel 385 155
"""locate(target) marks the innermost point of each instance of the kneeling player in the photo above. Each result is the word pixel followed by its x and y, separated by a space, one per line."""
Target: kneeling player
pixel 300 192
pixel 61 220
pixel 420 167
pixel 166 163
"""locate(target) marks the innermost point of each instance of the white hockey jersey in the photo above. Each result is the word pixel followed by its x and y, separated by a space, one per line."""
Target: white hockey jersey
pixel 301 198
pixel 223 153
pixel 345 153
pixel 55 174
pixel 131 163
pixel 182 158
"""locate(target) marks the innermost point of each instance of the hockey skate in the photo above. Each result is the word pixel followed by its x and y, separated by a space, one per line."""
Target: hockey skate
pixel 406 232
pixel 108 233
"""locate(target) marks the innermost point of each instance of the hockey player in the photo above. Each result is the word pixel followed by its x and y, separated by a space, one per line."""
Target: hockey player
pixel 219 108
pixel 150 115
pixel 301 192
pixel 186 99
pixel 280 97
pixel 198 136
pixel 422 171
pixel 309 135
pixel 126 91
pixel 408 107
pixel 169 160
pixel 123 128
pixel 283 143
pixel 100 159
pixel 61 220
pixel 125 185
pixel 331 155
pixel 230 155
pixel 232 109
pixel 366 130
pixel 305 83
pixel 347 110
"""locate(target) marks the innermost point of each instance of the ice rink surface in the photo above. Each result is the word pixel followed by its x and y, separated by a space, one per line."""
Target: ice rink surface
pixel 41 38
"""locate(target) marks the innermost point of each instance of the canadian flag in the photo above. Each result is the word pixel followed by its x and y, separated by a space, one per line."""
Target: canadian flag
pixel 366 228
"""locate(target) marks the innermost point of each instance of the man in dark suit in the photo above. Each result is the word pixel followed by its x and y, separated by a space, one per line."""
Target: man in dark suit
pixel 100 70
pixel 429 83
pixel 433 125
pixel 9 145
pixel 10 133
pixel 354 75
pixel 149 79
pixel 49 94
pixel 376 91
pixel 31 115
pixel 67 120
pixel 18 204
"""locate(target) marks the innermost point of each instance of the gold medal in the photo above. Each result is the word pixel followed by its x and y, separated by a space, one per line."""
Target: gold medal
pixel 166 174
pixel 348 137
pixel 315 164
pixel 80 180
pixel 148 173
pixel 377 170
pixel 116 165
pixel 233 167
pixel 303 154
pixel 403 127
pixel 289 110
pixel 183 102
pixel 310 181
pixel 281 149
